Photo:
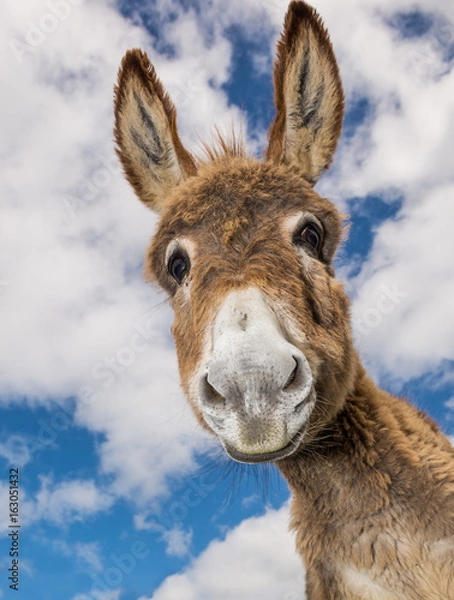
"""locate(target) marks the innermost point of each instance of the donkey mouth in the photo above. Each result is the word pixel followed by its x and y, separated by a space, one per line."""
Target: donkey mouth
pixel 284 452
pixel 272 434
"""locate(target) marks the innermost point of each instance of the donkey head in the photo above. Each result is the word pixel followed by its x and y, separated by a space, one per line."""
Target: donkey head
pixel 244 249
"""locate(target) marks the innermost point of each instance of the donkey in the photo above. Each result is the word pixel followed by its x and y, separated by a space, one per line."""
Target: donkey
pixel 244 248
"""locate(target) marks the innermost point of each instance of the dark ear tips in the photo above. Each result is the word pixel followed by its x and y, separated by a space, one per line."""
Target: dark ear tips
pixel 136 63
pixel 297 14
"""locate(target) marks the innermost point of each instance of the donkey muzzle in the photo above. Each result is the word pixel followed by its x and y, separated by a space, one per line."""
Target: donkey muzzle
pixel 256 391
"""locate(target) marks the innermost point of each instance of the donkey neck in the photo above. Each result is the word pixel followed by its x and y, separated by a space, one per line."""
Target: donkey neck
pixel 345 456
pixel 365 470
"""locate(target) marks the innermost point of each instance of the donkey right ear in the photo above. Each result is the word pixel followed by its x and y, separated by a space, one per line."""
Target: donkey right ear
pixel 308 95
pixel 150 150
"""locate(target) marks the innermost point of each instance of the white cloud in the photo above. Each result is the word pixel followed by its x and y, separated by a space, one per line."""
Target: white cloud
pixel 65 502
pixel 178 541
pixel 416 333
pixel 15 450
pixel 60 504
pixel 257 559
pixel 250 500
pixel 88 555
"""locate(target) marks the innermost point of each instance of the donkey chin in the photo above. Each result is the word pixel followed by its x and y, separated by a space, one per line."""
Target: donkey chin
pixel 256 390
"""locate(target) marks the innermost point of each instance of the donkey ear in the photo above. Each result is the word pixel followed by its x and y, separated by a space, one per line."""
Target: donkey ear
pixel 152 155
pixel 308 95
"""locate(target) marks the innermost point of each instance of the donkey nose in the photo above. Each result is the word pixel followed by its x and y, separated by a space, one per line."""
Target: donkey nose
pixel 269 386
pixel 253 382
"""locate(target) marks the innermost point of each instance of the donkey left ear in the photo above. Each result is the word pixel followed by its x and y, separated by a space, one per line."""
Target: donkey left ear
pixel 153 157
pixel 308 95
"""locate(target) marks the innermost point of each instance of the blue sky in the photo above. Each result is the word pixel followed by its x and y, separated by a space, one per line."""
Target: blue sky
pixel 122 496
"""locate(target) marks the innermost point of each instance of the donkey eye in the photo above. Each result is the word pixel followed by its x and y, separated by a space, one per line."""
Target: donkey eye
pixel 178 266
pixel 310 237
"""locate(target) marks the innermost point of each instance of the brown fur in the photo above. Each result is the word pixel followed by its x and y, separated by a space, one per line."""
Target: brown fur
pixel 373 480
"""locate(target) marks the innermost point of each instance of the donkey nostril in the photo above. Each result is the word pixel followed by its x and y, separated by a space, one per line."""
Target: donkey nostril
pixel 209 394
pixel 301 405
pixel 292 376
